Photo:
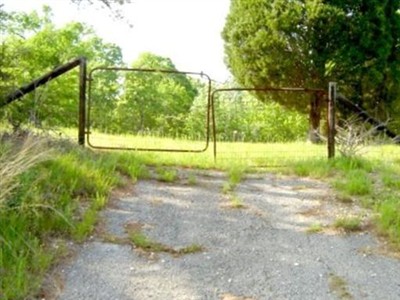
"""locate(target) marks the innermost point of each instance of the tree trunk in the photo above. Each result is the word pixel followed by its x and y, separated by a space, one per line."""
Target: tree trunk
pixel 315 118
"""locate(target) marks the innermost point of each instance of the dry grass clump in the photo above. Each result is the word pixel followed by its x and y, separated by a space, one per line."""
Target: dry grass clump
pixel 17 158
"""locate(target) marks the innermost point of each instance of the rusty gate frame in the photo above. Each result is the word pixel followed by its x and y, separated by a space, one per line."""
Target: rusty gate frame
pixel 331 99
pixel 84 115
pixel 145 70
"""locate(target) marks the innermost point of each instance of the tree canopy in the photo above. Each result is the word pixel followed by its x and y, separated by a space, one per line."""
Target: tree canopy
pixel 32 46
pixel 306 43
pixel 154 101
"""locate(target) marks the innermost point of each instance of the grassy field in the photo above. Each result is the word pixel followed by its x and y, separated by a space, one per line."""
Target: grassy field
pixel 52 190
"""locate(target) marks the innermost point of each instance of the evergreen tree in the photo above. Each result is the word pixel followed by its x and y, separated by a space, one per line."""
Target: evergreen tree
pixel 307 43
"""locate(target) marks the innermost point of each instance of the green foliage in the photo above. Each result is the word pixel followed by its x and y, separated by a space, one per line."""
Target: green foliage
pixel 308 43
pixel 57 197
pixel 155 102
pixel 235 202
pixel 241 117
pixel 128 164
pixel 236 174
pixel 192 180
pixel 317 168
pixel 339 287
pixel 166 175
pixel 389 220
pixel 142 242
pixel 32 46
pixel 357 182
pixel 374 182
pixel 61 197
pixel 348 223
pixel 315 228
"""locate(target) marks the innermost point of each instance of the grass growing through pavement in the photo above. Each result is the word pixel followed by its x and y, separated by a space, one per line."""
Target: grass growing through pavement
pixel 348 224
pixel 235 174
pixel 236 202
pixel 166 175
pixel 142 242
pixel 315 228
pixel 338 286
pixel 60 195
pixel 374 182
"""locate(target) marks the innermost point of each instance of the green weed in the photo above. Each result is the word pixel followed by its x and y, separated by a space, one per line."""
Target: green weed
pixel 236 202
pixel 227 187
pixel 192 180
pixel 391 179
pixel 338 286
pixel 318 168
pixel 166 175
pixel 56 197
pixel 127 163
pixel 389 219
pixel 355 183
pixel 142 242
pixel 348 224
pixel 61 196
pixel 315 228
pixel 236 173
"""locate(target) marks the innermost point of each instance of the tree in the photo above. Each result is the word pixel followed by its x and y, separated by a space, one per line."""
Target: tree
pixel 155 102
pixel 306 43
pixel 34 45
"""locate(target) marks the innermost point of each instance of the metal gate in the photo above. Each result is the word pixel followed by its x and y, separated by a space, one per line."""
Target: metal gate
pixel 145 76
pixel 87 112
pixel 330 104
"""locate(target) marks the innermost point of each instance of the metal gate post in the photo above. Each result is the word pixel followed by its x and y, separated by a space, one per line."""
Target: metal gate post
pixel 331 119
pixel 82 101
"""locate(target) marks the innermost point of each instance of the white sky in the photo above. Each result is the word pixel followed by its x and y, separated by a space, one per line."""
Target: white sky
pixel 187 31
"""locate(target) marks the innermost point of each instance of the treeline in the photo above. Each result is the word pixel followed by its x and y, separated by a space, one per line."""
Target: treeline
pixel 140 103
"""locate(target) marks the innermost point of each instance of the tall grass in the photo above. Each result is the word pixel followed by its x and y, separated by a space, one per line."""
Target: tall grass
pixel 47 194
pixel 14 162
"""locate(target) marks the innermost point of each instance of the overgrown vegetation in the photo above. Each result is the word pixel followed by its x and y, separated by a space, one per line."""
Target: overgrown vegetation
pixel 57 197
pixel 50 196
pixel 373 183
pixel 47 197
pixel 348 223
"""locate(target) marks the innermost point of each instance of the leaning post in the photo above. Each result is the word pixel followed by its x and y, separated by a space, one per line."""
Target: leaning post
pixel 331 119
pixel 82 101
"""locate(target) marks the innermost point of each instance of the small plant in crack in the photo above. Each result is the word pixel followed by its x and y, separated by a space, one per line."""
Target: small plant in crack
pixel 315 228
pixel 348 224
pixel 338 286
pixel 236 202
pixel 236 174
pixel 227 188
pixel 142 242
pixel 166 175
pixel 192 180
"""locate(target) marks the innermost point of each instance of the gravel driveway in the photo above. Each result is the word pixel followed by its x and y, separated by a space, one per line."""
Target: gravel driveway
pixel 260 251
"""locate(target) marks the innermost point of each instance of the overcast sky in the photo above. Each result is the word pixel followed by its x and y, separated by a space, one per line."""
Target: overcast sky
pixel 187 31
